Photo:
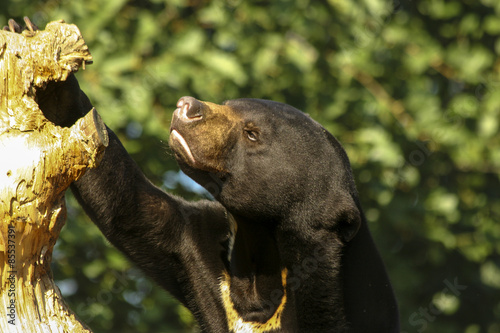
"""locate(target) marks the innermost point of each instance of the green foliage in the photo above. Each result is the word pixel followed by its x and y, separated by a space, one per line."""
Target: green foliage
pixel 411 88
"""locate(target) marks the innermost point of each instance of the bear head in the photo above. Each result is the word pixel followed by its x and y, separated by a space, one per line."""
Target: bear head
pixel 268 161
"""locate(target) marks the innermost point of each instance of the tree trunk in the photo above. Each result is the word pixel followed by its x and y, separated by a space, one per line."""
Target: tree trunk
pixel 38 161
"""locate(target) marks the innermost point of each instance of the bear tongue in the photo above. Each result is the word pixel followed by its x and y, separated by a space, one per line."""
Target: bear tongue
pixel 177 137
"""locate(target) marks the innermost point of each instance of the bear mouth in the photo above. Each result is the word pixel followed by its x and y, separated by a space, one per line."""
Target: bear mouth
pixel 176 140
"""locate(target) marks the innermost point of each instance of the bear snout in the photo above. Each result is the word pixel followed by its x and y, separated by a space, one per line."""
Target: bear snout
pixel 189 109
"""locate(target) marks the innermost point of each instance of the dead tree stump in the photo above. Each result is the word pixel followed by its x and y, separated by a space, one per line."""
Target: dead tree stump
pixel 38 162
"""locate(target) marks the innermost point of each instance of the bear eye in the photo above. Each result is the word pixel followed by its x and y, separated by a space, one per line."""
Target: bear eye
pixel 252 135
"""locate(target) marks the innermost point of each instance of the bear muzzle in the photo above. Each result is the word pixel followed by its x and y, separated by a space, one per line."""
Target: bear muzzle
pixel 189 109
pixel 202 133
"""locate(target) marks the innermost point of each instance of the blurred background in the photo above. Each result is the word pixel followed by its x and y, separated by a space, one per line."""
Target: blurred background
pixel 411 89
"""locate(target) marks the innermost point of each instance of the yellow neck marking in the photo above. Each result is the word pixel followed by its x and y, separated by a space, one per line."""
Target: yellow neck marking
pixel 236 323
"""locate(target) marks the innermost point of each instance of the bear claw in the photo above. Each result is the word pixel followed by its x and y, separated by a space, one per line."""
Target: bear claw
pixel 13 26
pixel 30 25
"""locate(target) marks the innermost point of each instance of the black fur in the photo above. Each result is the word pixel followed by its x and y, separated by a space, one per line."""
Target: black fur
pixel 293 198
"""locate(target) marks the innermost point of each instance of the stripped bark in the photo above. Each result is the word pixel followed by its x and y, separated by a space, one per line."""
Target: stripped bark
pixel 38 162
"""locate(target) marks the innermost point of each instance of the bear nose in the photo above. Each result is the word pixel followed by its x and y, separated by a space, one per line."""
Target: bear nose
pixel 189 109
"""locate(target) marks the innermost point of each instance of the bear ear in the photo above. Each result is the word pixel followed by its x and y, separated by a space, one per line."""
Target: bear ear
pixel 350 229
pixel 348 221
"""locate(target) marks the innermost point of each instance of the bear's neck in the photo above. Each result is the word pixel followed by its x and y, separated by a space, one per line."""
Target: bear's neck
pixel 262 252
pixel 346 283
pixel 255 271
pixel 315 281
pixel 330 285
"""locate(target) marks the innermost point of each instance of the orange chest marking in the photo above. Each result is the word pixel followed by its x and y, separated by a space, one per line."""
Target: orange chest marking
pixel 236 323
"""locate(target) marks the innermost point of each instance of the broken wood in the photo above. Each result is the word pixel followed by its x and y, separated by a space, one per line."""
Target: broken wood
pixel 38 162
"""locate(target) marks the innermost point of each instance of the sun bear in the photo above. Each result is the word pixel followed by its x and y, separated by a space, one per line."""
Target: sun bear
pixel 284 247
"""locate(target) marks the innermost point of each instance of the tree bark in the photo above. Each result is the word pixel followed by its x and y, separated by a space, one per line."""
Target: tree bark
pixel 38 162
